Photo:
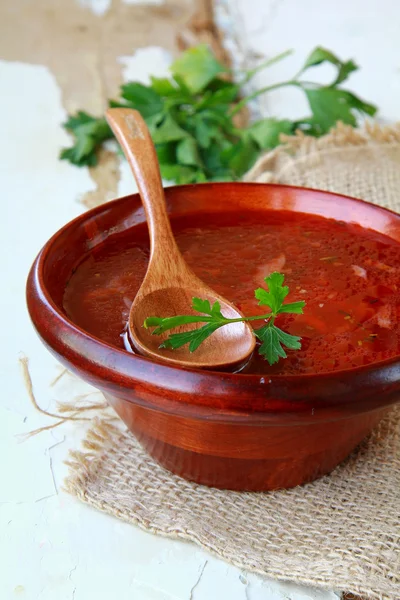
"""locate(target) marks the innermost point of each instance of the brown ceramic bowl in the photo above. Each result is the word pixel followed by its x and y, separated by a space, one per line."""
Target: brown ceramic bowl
pixel 236 431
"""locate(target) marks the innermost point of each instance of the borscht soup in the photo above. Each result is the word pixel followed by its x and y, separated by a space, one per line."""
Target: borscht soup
pixel 348 276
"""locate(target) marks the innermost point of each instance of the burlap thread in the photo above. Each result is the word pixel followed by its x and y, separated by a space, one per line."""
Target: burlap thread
pixel 341 532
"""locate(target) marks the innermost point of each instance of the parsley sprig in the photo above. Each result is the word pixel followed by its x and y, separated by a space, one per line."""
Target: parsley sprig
pixel 191 116
pixel 273 339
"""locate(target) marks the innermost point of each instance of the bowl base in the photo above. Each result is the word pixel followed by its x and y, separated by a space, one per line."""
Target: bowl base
pixel 271 462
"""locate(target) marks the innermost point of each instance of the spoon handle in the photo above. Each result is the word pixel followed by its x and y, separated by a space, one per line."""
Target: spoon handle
pixel 132 133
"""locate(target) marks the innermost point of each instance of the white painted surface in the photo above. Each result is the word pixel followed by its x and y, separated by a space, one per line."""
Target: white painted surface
pixel 53 547
pixel 147 2
pixel 99 7
pixel 366 30
pixel 145 62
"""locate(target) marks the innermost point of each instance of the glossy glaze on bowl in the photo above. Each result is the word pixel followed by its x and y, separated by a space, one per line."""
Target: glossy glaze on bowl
pixel 235 431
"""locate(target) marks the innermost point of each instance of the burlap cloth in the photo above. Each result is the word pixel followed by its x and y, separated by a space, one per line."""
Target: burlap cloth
pixel 341 532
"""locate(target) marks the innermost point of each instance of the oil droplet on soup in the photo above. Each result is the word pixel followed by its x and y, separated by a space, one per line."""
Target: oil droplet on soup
pixel 348 276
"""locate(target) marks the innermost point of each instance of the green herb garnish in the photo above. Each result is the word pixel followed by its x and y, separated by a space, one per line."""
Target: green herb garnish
pixel 272 338
pixel 191 116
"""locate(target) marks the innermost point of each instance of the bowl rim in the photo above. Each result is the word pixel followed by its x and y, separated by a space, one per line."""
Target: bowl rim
pixel 36 287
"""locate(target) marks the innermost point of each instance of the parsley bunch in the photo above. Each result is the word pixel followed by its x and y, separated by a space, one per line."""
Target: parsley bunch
pixel 191 116
pixel 272 337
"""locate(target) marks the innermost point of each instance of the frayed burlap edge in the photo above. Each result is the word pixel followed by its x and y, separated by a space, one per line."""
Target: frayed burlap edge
pixel 83 464
pixel 73 410
pixel 269 167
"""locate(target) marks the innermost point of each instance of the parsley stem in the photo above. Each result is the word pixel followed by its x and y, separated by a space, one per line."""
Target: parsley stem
pixel 255 318
pixel 238 107
pixel 225 321
pixel 250 74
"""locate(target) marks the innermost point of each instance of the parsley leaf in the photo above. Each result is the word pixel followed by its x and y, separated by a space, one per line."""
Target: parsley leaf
pixel 197 67
pixel 295 308
pixel 194 338
pixel 241 156
pixel 89 133
pixel 204 306
pixel 290 341
pixel 276 294
pixel 330 105
pixel 143 98
pixel 190 116
pixel 168 131
pixel 320 55
pixel 181 174
pixel 272 337
pixel 187 152
pixel 267 132
pixel 165 87
pixel 271 347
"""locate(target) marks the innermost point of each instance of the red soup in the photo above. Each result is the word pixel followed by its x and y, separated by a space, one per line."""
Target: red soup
pixel 348 276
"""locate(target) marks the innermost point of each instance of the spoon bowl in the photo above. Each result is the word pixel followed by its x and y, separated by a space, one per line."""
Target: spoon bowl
pixel 229 347
pixel 169 285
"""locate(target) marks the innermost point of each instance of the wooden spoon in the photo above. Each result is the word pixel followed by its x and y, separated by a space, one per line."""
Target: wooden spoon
pixel 169 284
